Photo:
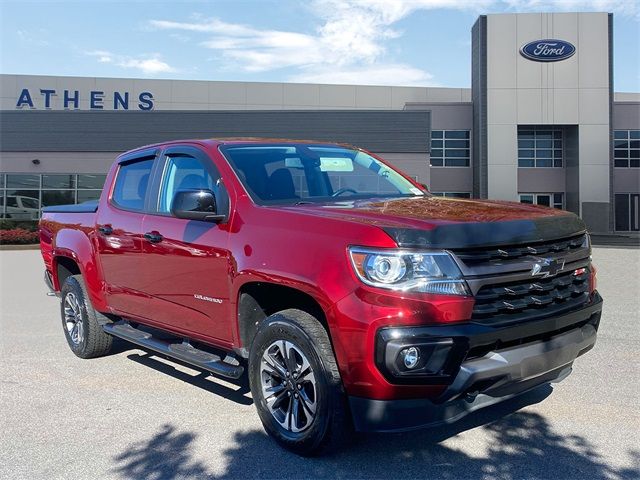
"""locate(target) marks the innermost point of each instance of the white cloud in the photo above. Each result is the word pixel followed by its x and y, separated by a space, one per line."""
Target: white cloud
pixel 37 38
pixel 377 74
pixel 621 7
pixel 349 44
pixel 347 48
pixel 151 64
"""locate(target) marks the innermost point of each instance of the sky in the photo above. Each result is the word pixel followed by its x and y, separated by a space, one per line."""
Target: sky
pixel 376 42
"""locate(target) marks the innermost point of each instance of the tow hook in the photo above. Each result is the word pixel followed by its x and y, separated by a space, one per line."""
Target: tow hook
pixel 471 396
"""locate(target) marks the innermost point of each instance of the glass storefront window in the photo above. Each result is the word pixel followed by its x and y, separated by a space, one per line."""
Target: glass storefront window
pixel 58 181
pixel 555 200
pixel 539 147
pixel 23 181
pixel 57 197
pixel 450 148
pixel 23 195
pixel 87 195
pixel 91 181
pixel 626 145
pixel 452 194
pixel 22 204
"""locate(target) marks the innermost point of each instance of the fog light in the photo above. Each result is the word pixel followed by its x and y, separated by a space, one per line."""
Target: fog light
pixel 411 356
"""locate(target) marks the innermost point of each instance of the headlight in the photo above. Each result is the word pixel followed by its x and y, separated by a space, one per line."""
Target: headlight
pixel 427 272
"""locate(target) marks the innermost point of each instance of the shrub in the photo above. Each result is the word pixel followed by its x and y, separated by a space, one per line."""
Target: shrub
pixel 10 224
pixel 18 236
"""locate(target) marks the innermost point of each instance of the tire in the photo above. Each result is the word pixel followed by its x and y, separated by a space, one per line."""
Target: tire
pixel 322 422
pixel 80 321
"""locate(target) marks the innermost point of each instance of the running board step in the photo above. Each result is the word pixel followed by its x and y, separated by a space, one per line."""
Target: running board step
pixel 184 352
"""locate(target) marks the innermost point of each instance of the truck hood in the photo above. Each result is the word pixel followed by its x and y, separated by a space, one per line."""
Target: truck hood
pixel 437 222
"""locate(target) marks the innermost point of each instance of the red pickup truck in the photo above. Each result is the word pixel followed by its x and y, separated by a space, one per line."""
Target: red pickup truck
pixel 353 298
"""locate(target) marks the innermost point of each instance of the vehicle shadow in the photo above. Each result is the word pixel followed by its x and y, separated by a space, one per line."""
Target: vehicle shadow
pixel 522 444
pixel 234 390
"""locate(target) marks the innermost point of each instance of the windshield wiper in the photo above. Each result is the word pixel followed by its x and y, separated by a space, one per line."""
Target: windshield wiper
pixel 304 202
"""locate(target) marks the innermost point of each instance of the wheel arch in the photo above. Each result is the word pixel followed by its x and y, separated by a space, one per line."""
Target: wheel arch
pixel 257 300
pixel 74 254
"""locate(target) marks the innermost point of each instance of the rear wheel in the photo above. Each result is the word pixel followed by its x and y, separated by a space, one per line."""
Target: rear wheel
pixel 80 321
pixel 296 385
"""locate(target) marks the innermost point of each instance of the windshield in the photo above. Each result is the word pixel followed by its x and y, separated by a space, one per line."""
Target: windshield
pixel 275 174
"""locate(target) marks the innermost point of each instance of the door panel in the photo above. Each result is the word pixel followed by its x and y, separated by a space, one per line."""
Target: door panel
pixel 119 237
pixel 187 275
pixel 120 252
pixel 187 262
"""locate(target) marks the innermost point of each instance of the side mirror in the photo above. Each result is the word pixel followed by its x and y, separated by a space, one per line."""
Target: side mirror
pixel 196 205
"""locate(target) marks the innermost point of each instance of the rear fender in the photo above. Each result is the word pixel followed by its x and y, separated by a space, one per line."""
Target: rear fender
pixel 76 245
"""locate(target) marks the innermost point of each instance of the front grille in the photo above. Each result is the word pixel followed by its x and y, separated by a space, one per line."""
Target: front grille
pixel 474 256
pixel 529 299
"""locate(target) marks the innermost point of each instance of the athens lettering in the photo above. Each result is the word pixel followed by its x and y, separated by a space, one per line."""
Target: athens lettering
pixel 547 50
pixel 52 99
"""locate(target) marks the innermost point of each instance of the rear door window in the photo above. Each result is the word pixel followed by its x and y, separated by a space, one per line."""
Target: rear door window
pixel 131 185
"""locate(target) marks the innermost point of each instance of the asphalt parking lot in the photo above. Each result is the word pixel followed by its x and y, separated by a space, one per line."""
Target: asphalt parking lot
pixel 132 415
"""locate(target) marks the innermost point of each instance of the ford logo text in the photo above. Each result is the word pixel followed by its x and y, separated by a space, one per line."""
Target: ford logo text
pixel 547 50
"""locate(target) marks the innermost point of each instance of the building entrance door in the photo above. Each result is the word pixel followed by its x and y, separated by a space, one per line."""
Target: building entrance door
pixel 627 212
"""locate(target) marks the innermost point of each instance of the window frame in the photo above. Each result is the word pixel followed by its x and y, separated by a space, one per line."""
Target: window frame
pixel 444 148
pixel 628 149
pixel 140 156
pixel 551 195
pixel 41 188
pixel 223 199
pixel 462 195
pixel 535 129
pixel 258 201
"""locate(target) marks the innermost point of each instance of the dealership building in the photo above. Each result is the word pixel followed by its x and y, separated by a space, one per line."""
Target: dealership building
pixel 541 123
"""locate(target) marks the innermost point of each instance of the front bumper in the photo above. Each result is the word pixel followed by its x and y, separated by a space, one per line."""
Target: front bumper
pixel 493 376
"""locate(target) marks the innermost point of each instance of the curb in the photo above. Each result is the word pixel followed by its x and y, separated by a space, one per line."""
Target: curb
pixel 31 246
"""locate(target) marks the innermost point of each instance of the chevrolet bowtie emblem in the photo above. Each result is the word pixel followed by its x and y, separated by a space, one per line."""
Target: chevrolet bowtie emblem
pixel 547 267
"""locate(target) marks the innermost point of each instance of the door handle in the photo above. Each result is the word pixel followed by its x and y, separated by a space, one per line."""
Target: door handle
pixel 153 237
pixel 105 229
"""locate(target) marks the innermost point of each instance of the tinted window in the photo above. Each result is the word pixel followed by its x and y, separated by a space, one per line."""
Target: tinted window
pixel 88 195
pixel 131 184
pixel 91 181
pixel 57 197
pixel 23 204
pixel 183 173
pixel 626 151
pixel 292 173
pixel 539 147
pixel 453 151
pixel 23 181
pixel 58 181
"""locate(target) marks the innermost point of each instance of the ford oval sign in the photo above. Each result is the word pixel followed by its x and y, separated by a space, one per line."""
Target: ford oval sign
pixel 547 50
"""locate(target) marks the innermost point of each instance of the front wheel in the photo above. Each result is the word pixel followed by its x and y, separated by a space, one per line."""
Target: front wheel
pixel 296 385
